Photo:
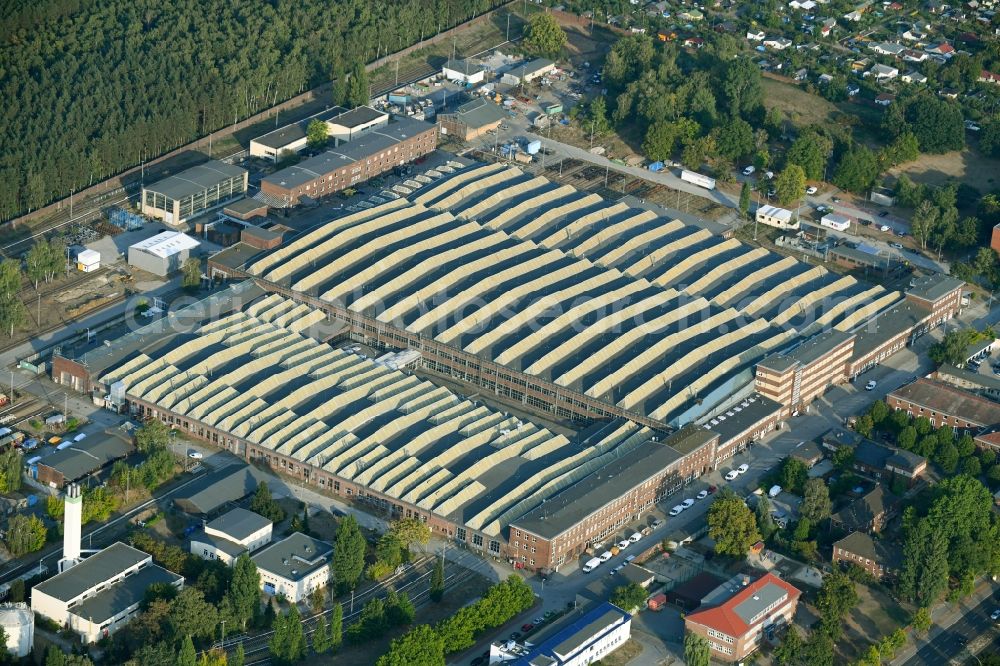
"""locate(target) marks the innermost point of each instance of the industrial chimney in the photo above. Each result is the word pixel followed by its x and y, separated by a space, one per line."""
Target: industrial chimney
pixel 72 527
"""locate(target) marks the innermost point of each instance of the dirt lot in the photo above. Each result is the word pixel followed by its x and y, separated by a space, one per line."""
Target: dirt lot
pixel 623 655
pixel 966 166
pixel 876 616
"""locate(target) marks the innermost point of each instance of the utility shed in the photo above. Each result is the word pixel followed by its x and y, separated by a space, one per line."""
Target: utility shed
pixel 82 458
pixel 162 254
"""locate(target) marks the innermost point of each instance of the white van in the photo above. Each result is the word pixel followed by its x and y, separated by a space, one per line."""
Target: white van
pixel 591 564
pixel 605 556
pixel 774 491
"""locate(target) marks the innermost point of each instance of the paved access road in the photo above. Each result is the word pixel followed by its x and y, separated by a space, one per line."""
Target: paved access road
pixel 950 642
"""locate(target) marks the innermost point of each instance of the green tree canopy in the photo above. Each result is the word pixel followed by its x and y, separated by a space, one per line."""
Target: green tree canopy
pixel 731 524
pixel 317 133
pixel 857 170
pixel 816 503
pixel 629 597
pixel 421 645
pixel 790 185
pixel 348 554
pixel 544 36
pixel 25 534
pixel 696 650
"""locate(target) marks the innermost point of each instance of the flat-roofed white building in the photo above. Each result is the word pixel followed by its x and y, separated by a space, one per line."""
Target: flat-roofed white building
pixel 349 125
pixel 591 636
pixel 290 138
pixel 776 217
pixel 294 566
pixel 163 253
pixel 463 71
pixel 835 221
pixel 232 534
pixel 102 593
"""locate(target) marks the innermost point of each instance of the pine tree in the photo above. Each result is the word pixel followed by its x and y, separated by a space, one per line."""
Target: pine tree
pixel 54 656
pixel 321 636
pixel 745 200
pixel 348 555
pixel 244 589
pixel 336 627
pixel 269 618
pixel 187 655
pixel 437 580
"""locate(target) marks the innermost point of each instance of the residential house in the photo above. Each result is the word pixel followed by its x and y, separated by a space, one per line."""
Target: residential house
pixel 942 49
pixel 824 79
pixel 803 5
pixel 884 99
pixel 756 35
pixel 882 560
pixel 910 55
pixel 694 42
pixel 666 35
pixel 989 77
pixel 801 75
pixel 690 15
pixel 778 43
pixel 888 48
pixel 874 459
pixel 853 16
pixel 826 28
pixel 853 89
pixel 883 72
pixel 913 77
pixel 868 513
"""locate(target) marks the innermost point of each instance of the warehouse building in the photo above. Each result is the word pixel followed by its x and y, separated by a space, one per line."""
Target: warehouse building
pixel 180 197
pixel 463 71
pixel 472 119
pixel 372 154
pixel 102 593
pixel 350 125
pixel 163 253
pixel 528 72
pixel 218 488
pixel 291 138
pixel 83 458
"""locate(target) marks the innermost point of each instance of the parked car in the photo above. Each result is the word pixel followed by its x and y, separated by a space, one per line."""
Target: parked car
pixel 195 455
pixel 676 511
pixel 605 556
pixel 629 559
pixel 812 189
pixel 995 616
pixel 884 227
pixel 883 213
pixel 623 544
pixel 657 523
pixel 749 170
pixel 898 246
pixel 636 537
pixel 711 490
pixel 688 503
pixel 702 495
pixel 731 475
pixel 743 469
pixel 525 628
pixel 870 386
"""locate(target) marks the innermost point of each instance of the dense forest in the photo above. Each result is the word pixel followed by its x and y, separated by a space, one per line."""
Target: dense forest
pixel 91 88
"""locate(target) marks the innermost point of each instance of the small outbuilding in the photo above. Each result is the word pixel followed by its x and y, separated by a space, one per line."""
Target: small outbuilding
pixel 88 261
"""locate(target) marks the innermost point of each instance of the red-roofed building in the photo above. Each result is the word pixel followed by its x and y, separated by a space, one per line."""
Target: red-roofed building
pixel 989 77
pixel 736 627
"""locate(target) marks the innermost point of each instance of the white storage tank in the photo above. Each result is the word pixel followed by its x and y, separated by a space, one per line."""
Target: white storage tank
pixel 19 623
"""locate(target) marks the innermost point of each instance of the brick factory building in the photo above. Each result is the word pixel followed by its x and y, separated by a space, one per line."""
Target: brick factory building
pixel 372 154
pixel 681 325
pixel 945 405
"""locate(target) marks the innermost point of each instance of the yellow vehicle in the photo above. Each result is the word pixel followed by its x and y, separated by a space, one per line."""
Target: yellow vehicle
pixel 54 440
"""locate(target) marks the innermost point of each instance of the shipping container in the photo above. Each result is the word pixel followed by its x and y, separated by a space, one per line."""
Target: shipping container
pixel 657 601
pixel 523 158
pixel 698 179
pixel 553 109
pixel 533 147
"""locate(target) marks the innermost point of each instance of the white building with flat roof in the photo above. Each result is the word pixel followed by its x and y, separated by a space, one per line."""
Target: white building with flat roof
pixel 163 253
pixel 591 636
pixel 102 593
pixel 835 221
pixel 776 217
pixel 232 534
pixel 294 566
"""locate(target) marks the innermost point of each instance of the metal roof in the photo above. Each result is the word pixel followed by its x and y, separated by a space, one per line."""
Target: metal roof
pixel 195 180
pixel 358 116
pixel 97 569
pixel 478 113
pixel 297 131
pixel 124 594
pixel 562 646
pixel 294 557
pixel 238 524
pixel 166 244
pixel 934 286
pixel 88 455
pixel 466 67
pixel 216 488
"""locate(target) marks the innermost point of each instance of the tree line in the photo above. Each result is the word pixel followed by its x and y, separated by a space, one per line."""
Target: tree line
pixel 94 88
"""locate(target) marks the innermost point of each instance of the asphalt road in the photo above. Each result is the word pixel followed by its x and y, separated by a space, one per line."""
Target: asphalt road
pixel 952 641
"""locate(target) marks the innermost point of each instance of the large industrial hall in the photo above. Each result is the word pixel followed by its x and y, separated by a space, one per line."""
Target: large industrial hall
pixel 617 303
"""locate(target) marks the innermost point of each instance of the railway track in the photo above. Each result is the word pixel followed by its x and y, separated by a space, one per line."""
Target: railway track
pixel 256 647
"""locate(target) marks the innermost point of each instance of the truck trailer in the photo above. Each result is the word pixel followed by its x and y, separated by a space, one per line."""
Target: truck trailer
pixel 698 179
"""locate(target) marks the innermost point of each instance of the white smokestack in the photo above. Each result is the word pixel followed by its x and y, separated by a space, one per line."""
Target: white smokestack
pixel 72 527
